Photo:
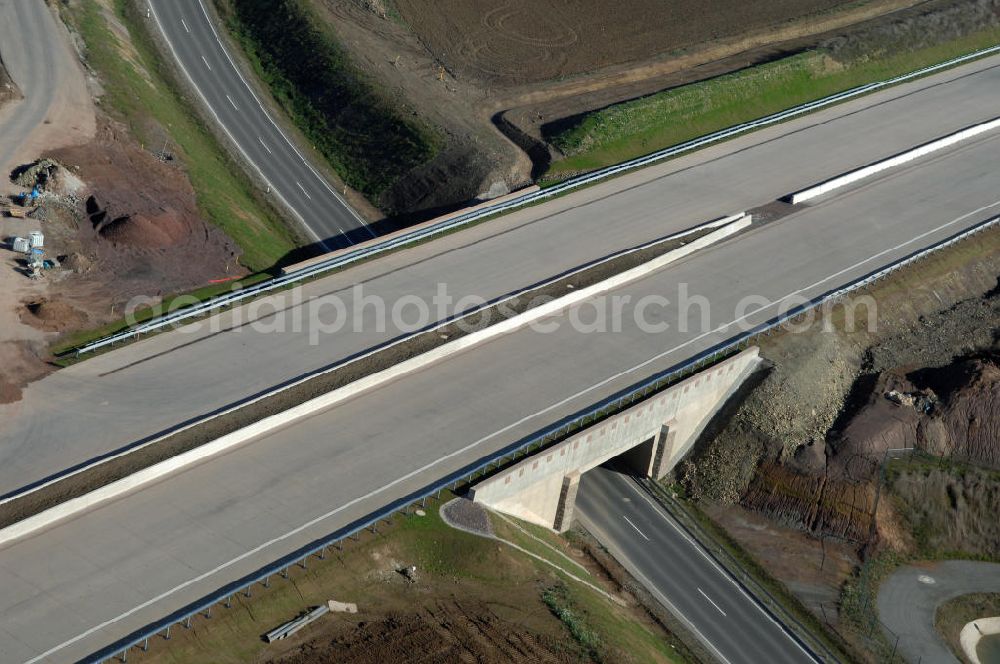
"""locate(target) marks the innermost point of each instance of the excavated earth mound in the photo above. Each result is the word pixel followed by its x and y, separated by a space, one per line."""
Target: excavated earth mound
pixel 138 223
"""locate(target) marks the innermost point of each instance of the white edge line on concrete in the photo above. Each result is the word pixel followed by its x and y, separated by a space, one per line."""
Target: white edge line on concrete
pixel 456 453
pixel 516 294
pixel 269 424
pixel 892 162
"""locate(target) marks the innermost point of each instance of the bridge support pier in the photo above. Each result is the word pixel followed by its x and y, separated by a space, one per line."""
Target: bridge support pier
pixel 650 437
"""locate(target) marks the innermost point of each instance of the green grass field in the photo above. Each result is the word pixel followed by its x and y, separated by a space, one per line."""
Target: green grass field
pixel 142 95
pixel 368 140
pixel 450 564
pixel 634 128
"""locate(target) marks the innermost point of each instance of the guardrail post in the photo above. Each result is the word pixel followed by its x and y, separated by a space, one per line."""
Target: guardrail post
pixel 339 544
pixel 124 656
pixel 322 553
pixel 246 593
pixel 302 563
pixel 284 573
pixel 267 581
pixel 423 501
pixel 145 644
pixel 208 612
pixel 187 623
pixel 166 636
pixel 229 602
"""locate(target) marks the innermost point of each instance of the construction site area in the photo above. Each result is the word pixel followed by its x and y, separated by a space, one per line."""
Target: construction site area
pixel 849 453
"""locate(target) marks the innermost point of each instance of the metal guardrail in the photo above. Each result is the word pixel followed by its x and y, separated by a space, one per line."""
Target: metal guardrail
pixel 485 465
pixel 229 299
pixel 796 630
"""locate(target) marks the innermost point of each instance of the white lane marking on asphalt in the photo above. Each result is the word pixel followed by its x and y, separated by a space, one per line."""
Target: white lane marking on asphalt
pixel 303 190
pixel 459 452
pixel 204 99
pixel 232 102
pixel 206 63
pixel 264 144
pixel 664 600
pixel 354 213
pixel 186 28
pixel 697 547
pixel 636 527
pixel 711 602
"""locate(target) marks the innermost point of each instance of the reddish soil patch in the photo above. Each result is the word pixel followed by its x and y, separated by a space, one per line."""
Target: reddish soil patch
pixel 138 225
pixel 443 631
pixel 526 41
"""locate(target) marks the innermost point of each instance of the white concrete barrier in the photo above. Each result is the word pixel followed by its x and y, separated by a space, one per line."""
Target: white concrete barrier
pixel 892 162
pixel 218 446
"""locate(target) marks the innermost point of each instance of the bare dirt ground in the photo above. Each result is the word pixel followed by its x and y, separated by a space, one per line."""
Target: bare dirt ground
pixel 118 221
pixel 441 631
pixel 8 89
pixel 490 76
pixel 469 599
pixel 67 119
pixel 517 42
pixel 811 437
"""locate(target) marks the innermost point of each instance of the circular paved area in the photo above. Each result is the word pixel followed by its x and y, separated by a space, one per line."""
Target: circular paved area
pixel 908 598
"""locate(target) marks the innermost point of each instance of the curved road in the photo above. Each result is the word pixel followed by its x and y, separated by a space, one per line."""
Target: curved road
pixel 908 599
pixel 56 109
pixel 202 56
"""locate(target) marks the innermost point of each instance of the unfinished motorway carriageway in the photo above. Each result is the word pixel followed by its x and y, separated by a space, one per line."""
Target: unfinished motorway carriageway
pixel 88 582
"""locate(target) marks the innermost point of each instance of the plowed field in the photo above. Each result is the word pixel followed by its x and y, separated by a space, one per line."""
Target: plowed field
pixel 527 41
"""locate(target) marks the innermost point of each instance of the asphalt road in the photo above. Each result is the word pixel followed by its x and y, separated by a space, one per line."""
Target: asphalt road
pixel 909 598
pixel 88 581
pixel 676 570
pixel 110 401
pixel 204 60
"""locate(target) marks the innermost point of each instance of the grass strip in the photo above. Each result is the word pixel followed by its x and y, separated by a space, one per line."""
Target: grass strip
pixel 364 136
pixel 141 93
pixel 634 128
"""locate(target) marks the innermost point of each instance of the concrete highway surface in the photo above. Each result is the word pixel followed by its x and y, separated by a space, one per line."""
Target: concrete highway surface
pixel 675 569
pixel 86 582
pixel 204 60
pixel 110 401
